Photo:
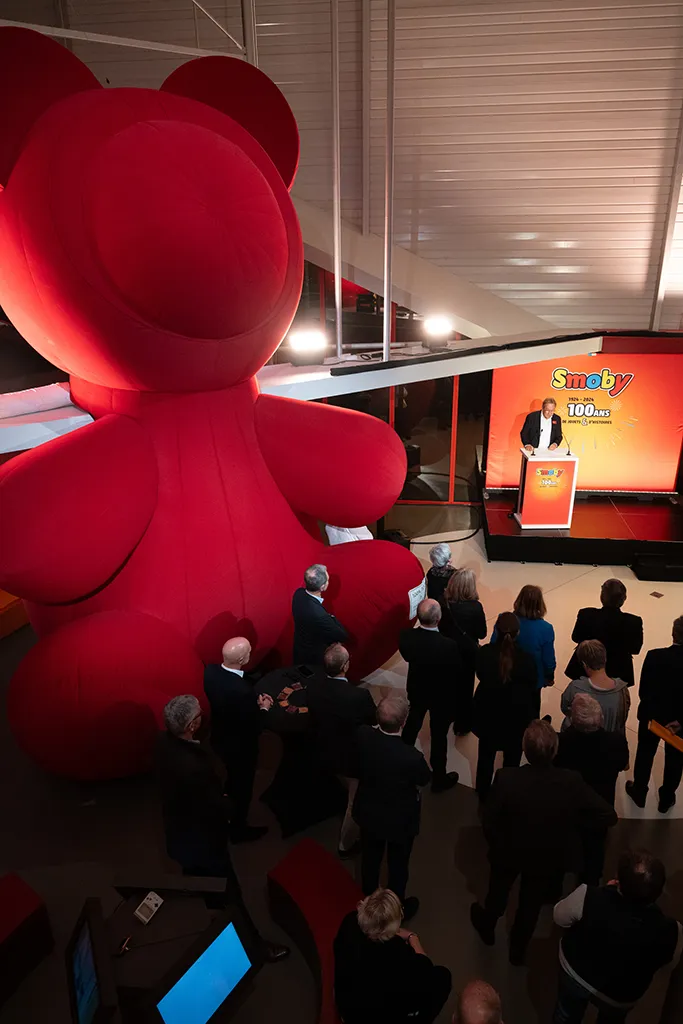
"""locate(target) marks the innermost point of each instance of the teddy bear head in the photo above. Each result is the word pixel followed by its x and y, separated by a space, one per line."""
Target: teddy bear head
pixel 147 238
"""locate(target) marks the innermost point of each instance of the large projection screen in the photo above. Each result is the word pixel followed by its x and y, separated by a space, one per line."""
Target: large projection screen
pixel 622 414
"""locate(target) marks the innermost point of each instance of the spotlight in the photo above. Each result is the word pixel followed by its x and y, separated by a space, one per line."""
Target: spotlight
pixel 307 346
pixel 438 326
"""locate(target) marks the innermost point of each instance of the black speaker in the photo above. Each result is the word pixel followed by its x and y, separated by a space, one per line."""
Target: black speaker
pixel 667 567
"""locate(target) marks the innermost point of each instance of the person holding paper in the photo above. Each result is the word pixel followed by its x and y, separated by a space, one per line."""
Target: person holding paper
pixel 542 429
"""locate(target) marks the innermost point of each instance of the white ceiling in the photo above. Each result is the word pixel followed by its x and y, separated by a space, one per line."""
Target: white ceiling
pixel 535 139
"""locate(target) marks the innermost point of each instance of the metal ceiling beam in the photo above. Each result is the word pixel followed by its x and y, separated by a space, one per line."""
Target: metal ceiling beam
pixel 366 84
pixel 249 31
pixel 336 176
pixel 389 178
pixel 62 16
pixel 58 32
pixel 218 25
pixel 669 228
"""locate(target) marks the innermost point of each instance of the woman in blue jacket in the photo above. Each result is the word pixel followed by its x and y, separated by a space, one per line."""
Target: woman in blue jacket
pixel 536 636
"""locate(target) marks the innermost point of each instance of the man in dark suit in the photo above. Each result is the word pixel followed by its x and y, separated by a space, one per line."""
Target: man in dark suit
pixel 620 632
pixel 237 715
pixel 661 699
pixel 195 811
pixel 434 670
pixel 387 804
pixel 532 819
pixel 314 628
pixel 338 708
pixel 542 429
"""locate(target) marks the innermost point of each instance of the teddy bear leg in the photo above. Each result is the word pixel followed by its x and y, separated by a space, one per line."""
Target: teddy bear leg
pixel 368 592
pixel 86 702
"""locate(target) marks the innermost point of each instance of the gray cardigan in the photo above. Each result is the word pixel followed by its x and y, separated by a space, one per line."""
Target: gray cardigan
pixel 615 703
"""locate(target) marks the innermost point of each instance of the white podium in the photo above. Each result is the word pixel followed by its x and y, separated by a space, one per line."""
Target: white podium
pixel 547 487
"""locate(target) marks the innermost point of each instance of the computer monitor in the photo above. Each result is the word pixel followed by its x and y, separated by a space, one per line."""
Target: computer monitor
pixel 90 978
pixel 211 978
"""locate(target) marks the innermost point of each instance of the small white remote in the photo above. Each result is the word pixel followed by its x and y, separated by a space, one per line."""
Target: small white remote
pixel 148 908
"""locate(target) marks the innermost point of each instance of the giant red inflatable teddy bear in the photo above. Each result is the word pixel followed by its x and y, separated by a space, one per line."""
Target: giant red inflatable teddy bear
pixel 149 247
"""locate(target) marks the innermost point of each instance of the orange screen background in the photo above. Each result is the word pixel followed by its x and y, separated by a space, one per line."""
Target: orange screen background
pixel 636 448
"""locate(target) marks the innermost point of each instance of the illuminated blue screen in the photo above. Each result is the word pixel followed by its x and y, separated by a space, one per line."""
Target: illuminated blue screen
pixel 85 978
pixel 208 982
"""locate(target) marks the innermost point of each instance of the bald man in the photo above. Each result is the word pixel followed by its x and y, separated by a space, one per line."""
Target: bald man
pixel 434 671
pixel 237 714
pixel 479 1003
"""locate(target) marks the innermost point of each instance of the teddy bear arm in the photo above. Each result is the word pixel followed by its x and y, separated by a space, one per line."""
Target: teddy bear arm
pixel 73 509
pixel 337 465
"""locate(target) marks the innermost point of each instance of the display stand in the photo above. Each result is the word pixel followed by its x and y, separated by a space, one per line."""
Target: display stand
pixel 547 486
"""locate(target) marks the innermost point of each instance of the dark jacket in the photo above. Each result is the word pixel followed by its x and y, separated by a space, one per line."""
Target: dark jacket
pixel 620 632
pixel 236 720
pixel 531 431
pixel 597 756
pixel 379 982
pixel 618 946
pixel 538 638
pixel 437 580
pixel 499 708
pixel 534 813
pixel 337 708
pixel 463 617
pixel 390 774
pixel 196 814
pixel 661 686
pixel 314 629
pixel 434 665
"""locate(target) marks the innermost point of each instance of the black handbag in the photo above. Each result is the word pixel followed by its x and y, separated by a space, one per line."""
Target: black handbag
pixel 574 669
pixel 466 645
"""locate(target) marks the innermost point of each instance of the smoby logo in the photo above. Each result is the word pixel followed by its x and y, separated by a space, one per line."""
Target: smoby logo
pixel 549 477
pixel 605 380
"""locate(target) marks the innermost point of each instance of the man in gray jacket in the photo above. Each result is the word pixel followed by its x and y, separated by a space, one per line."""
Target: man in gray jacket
pixel 611 694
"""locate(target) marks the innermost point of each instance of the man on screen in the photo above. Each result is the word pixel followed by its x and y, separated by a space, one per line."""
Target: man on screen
pixel 542 429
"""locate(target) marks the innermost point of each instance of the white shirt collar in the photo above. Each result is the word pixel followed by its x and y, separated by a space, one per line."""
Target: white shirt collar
pixel 546 430
pixel 430 629
pixel 380 729
pixel 343 678
pixel 237 671
pixel 316 597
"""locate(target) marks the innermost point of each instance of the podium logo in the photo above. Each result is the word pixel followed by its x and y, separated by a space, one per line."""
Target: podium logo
pixel 549 477
pixel 605 380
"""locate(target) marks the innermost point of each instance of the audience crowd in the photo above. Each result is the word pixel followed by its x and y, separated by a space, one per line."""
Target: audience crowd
pixel 546 814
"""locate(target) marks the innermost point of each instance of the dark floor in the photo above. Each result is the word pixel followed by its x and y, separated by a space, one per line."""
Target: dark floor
pixel 70 840
pixel 603 518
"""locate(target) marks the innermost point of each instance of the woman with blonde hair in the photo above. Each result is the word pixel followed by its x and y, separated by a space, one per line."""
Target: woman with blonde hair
pixel 464 621
pixel 382 975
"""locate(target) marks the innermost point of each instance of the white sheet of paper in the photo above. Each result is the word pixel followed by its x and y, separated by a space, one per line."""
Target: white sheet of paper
pixel 416 595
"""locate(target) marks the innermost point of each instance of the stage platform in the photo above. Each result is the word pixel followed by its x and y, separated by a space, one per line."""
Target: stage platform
pixel 646 534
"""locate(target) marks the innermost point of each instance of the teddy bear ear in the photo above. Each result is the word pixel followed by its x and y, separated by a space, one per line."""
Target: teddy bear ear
pixel 249 97
pixel 35 72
